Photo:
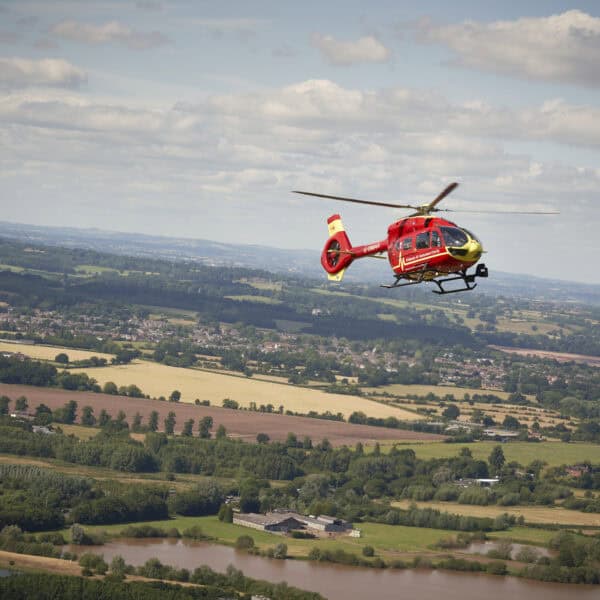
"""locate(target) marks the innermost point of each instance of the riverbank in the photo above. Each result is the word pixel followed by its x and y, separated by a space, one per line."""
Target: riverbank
pixel 335 582
pixel 389 541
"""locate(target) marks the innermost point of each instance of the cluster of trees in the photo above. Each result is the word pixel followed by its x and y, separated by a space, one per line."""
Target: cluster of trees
pixel 137 504
pixel 576 560
pixel 36 499
pixel 212 585
pixel 12 539
pixel 343 481
pixel 43 374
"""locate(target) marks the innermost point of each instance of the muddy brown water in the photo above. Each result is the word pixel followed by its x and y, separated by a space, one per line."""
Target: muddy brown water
pixel 337 582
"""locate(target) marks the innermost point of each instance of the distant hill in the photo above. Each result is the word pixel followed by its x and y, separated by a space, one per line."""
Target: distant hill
pixel 303 263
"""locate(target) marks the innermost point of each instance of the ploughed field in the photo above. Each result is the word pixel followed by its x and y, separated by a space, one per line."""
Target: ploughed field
pixel 238 423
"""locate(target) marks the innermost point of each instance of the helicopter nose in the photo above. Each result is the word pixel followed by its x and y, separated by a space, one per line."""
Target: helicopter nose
pixel 474 251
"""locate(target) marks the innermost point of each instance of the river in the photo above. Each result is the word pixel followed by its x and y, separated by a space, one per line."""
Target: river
pixel 337 582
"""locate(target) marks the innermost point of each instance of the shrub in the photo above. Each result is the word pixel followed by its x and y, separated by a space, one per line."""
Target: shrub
pixel 244 542
pixel 94 562
pixel 509 499
pixel 368 551
pixel 496 568
pixel 503 550
pixel 397 564
pixel 195 533
pixel 302 535
pixel 280 551
pixel 477 496
pixel 527 554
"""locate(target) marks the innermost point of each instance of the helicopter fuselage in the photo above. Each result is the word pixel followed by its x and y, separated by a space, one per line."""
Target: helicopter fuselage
pixel 418 247
pixel 432 243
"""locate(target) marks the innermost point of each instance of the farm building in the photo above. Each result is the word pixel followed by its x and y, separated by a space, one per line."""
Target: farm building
pixel 285 521
pixel 279 522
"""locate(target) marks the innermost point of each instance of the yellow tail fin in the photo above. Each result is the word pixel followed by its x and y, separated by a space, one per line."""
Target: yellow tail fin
pixel 336 276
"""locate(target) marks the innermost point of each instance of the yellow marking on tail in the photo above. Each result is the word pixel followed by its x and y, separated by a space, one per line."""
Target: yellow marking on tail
pixel 335 227
pixel 336 276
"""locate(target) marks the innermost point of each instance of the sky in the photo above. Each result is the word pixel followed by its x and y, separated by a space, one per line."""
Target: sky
pixel 198 118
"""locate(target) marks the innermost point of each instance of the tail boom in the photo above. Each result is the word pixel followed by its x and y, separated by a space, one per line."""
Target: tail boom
pixel 338 253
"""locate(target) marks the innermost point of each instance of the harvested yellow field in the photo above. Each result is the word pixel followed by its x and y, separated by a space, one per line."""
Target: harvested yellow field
pixel 160 380
pixel 531 514
pixel 398 389
pixel 50 352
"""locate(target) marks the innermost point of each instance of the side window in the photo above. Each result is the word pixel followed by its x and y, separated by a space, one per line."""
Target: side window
pixel 407 243
pixel 423 240
pixel 435 240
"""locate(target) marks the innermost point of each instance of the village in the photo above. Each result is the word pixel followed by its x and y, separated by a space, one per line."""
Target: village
pixel 147 330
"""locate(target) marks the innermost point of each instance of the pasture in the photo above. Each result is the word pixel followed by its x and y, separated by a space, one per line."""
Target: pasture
pixel 385 538
pixel 256 299
pixel 552 453
pixel 532 514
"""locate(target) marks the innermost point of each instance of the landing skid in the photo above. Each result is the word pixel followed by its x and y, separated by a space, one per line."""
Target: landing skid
pixel 421 277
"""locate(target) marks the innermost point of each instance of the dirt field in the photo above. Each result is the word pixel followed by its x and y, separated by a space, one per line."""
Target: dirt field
pixel 239 423
pixel 50 352
pixel 39 563
pixel 160 380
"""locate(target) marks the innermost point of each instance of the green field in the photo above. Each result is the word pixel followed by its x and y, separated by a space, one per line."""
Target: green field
pixel 384 538
pixel 387 540
pixel 257 299
pixel 182 481
pixel 553 453
pixel 94 270
pixel 4 267
pixel 524 535
pixel 546 515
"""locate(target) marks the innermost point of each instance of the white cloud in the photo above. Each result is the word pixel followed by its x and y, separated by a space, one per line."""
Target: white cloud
pixel 111 32
pixel 236 156
pixel 9 37
pixel 23 72
pixel 563 47
pixel 223 26
pixel 149 5
pixel 366 49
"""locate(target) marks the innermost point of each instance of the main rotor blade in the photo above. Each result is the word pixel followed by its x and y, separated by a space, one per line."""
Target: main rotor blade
pixel 501 212
pixel 389 205
pixel 447 191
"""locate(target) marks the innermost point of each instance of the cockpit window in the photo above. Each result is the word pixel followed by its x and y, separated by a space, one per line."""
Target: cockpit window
pixel 423 240
pixel 407 243
pixel 453 236
pixel 472 235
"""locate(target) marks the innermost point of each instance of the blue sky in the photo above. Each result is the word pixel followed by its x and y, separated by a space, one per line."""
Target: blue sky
pixel 196 119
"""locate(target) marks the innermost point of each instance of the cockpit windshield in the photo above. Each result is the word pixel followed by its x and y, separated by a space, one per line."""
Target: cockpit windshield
pixel 471 235
pixel 453 236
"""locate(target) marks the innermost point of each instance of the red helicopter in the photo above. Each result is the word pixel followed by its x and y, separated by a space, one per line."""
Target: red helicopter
pixel 419 247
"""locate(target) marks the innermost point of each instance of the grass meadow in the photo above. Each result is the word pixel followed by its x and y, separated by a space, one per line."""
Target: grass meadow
pixel 532 514
pixel 552 453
